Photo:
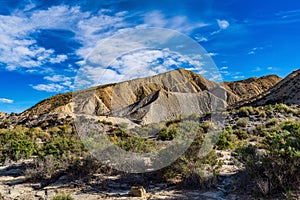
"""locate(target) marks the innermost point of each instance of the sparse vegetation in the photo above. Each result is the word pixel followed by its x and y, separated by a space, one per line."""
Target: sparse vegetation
pixel 272 122
pixel 226 139
pixel 62 196
pixel 246 111
pixel 241 134
pixel 269 149
pixel 278 169
pixel 242 122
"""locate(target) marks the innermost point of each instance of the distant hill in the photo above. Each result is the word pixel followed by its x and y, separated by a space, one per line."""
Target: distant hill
pixel 250 88
pixel 286 91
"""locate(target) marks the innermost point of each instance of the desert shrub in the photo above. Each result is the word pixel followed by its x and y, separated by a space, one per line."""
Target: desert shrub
pixel 121 134
pixel 259 129
pixel 242 122
pixel 59 146
pixel 16 144
pixel 283 108
pixel 21 149
pixel 191 169
pixel 62 196
pixel 5 124
pixel 201 173
pixel 149 130
pixel 226 139
pixel 272 122
pixel 84 168
pixel 176 120
pixel 269 107
pixel 278 170
pixel 43 168
pixel 246 111
pixel 168 133
pixel 106 122
pixel 208 126
pixel 291 126
pixel 137 144
pixel 241 134
pixel 262 114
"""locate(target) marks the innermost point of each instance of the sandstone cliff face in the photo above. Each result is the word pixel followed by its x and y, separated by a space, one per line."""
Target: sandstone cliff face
pixel 165 105
pixel 286 91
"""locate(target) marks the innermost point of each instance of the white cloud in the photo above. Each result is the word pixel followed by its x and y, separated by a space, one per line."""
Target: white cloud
pixel 223 68
pixel 136 64
pixel 257 69
pixel 52 87
pixel 201 38
pixel 179 23
pixel 19 48
pixel 255 50
pixel 212 54
pixel 58 59
pixel 223 24
pixel 58 83
pixel 238 77
pixel 57 78
pixel 4 100
pixel 270 68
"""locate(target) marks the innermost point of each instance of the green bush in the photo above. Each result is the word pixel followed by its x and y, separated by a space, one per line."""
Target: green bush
pixel 241 134
pixel 193 170
pixel 246 111
pixel 226 139
pixel 21 149
pixel 278 169
pixel 208 126
pixel 62 196
pixel 168 133
pixel 269 107
pixel 272 122
pixel 242 122
pixel 262 114
pixel 259 129
pixel 283 108
pixel 59 146
pixel 137 144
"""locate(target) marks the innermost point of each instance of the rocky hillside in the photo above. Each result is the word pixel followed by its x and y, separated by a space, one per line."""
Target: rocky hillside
pixel 140 99
pixel 252 87
pixel 286 91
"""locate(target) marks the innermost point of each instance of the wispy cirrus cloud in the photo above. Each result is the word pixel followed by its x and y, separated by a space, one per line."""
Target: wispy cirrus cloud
pixel 255 50
pixel 222 24
pixel 180 23
pixel 5 100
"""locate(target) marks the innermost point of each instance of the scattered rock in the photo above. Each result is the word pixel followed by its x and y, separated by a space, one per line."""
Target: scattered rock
pixel 137 191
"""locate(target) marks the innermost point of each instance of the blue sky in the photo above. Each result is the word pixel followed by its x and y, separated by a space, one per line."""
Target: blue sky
pixel 43 43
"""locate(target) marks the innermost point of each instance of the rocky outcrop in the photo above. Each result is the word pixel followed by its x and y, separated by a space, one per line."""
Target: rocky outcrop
pixel 163 105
